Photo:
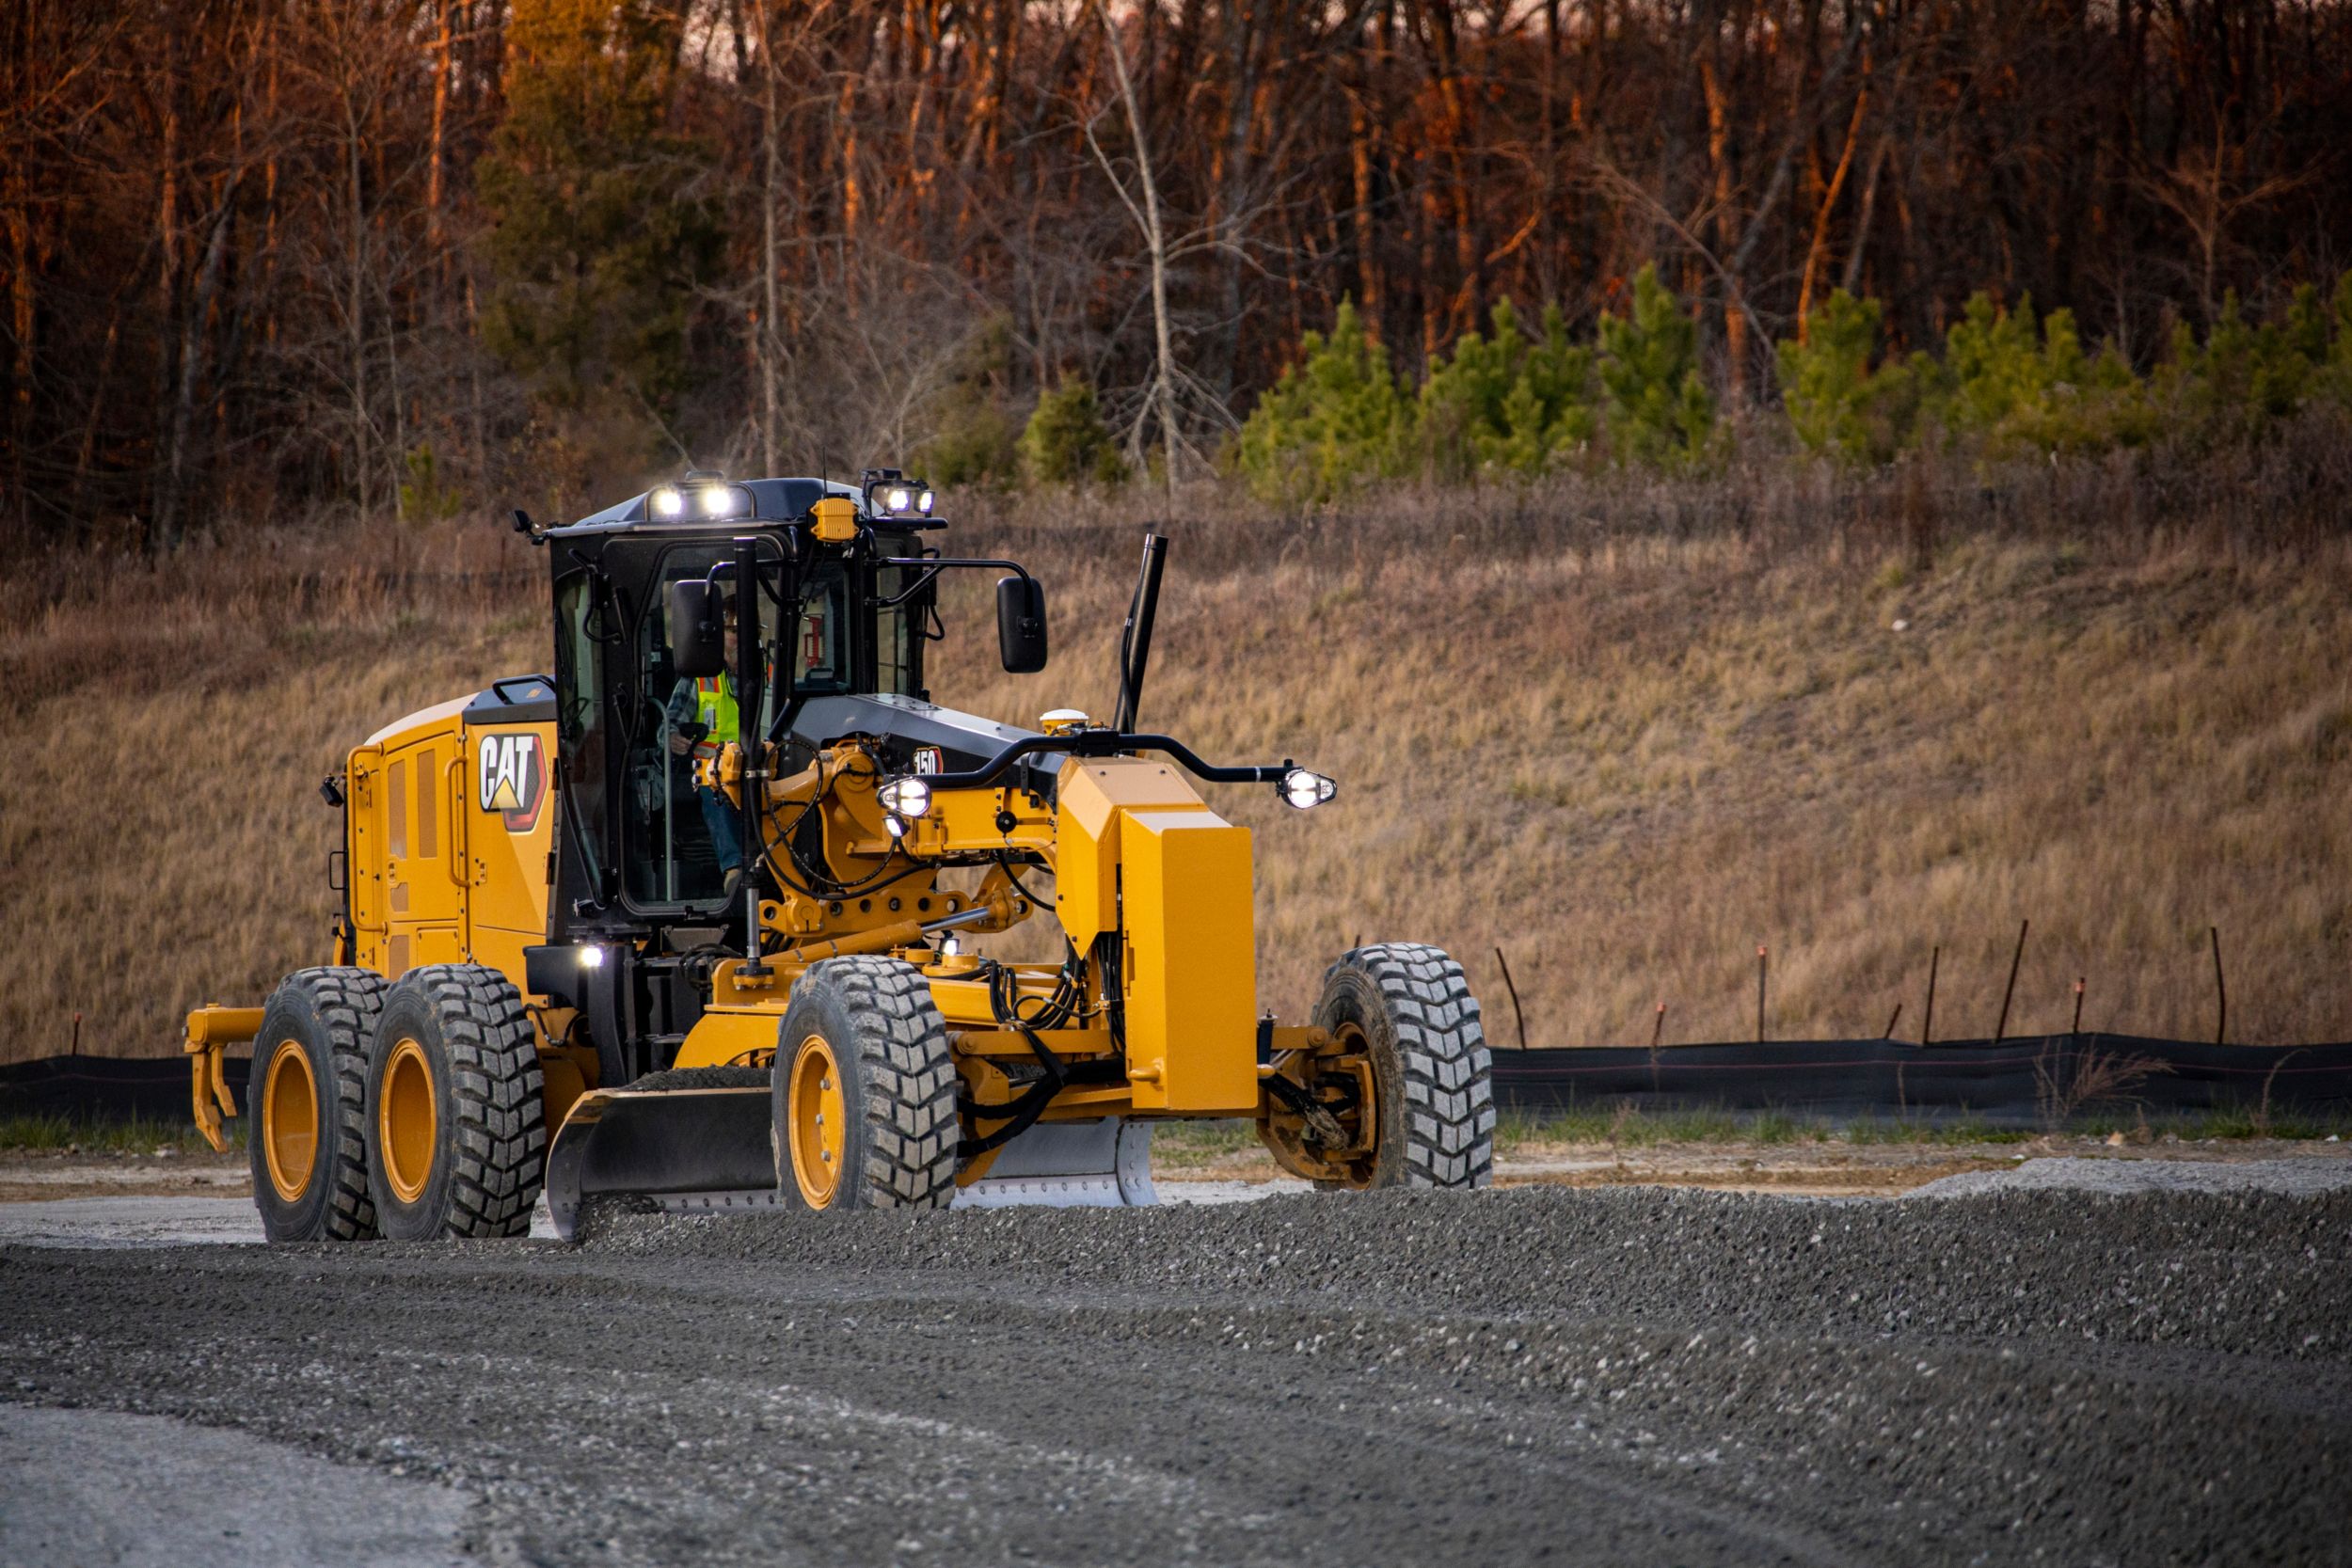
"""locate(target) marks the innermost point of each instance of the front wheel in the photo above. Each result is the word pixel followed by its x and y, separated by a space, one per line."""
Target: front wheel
pixel 864 1090
pixel 1401 1094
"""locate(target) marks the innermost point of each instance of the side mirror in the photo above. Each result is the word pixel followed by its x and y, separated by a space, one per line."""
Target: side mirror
pixel 697 647
pixel 1021 624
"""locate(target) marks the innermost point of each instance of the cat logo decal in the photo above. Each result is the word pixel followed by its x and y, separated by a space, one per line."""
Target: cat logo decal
pixel 513 772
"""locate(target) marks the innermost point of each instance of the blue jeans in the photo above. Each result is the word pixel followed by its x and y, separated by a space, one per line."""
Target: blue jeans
pixel 725 835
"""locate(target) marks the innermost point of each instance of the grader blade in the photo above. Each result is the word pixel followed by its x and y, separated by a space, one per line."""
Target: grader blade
pixel 696 1151
pixel 686 1150
pixel 1068 1165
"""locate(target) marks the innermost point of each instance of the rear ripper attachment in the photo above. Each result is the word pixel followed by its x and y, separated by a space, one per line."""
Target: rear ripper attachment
pixel 705 914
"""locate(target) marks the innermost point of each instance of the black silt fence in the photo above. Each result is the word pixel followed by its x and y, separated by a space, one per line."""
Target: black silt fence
pixel 2019 1082
pixel 108 1089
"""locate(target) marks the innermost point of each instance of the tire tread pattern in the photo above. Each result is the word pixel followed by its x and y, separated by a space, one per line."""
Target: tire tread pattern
pixel 1449 1083
pixel 346 1000
pixel 909 1079
pixel 498 1147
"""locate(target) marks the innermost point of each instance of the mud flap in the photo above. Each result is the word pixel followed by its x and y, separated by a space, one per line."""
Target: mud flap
pixel 686 1150
pixel 1068 1165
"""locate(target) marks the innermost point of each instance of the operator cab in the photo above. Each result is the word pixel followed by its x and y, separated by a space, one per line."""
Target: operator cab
pixel 642 842
pixel 839 591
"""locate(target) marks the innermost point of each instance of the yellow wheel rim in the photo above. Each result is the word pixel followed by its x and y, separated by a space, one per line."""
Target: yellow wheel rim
pixel 407 1124
pixel 814 1115
pixel 1353 1047
pixel 290 1121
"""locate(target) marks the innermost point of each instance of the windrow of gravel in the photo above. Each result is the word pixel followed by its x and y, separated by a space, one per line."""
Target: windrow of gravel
pixel 705 1078
pixel 2296 1177
pixel 2243 1274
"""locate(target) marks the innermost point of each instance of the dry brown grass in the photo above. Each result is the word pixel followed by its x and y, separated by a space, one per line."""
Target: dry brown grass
pixel 1625 733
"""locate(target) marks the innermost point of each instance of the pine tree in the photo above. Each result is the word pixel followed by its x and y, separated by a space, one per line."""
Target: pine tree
pixel 1336 420
pixel 1660 411
pixel 1840 406
pixel 600 235
pixel 1066 441
pixel 1506 403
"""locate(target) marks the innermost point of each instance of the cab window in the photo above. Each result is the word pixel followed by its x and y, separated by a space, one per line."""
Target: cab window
pixel 677 836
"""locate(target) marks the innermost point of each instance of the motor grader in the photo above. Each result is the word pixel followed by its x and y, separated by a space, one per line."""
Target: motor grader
pixel 698 920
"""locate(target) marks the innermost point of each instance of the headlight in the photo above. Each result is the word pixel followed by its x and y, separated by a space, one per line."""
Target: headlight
pixel 591 957
pixel 908 798
pixel 719 501
pixel 668 502
pixel 1305 790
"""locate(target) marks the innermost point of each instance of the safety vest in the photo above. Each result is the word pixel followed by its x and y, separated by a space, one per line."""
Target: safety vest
pixel 714 709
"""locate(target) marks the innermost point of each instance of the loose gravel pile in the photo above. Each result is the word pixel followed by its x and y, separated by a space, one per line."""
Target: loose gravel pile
pixel 2245 1273
pixel 1621 1377
pixel 2307 1177
pixel 705 1078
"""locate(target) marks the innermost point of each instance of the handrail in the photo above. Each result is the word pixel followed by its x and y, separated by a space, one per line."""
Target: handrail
pixel 1102 743
pixel 938 563
pixel 455 845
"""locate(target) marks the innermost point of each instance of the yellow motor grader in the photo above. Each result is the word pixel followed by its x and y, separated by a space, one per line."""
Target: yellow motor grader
pixel 695 920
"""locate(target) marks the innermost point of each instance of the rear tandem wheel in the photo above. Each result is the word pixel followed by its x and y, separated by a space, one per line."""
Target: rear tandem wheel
pixel 455 1124
pixel 303 1101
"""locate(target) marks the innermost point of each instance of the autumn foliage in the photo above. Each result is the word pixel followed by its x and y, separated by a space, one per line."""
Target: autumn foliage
pixel 263 258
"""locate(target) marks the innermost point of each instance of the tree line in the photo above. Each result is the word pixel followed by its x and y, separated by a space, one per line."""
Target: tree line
pixel 407 256
pixel 2003 383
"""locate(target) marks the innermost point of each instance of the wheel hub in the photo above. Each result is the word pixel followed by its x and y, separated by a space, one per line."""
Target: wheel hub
pixel 818 1133
pixel 407 1122
pixel 290 1121
pixel 1336 1092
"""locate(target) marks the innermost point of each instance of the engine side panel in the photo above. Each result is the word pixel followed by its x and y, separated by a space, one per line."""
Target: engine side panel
pixel 452 828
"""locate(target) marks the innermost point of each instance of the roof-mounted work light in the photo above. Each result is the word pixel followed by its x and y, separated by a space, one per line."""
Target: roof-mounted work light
pixel 702 495
pixel 891 494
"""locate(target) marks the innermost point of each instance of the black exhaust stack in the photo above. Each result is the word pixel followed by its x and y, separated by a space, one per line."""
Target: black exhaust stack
pixel 1135 642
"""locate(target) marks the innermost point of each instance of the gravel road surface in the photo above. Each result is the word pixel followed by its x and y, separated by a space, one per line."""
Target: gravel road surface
pixel 1631 1376
pixel 92 1486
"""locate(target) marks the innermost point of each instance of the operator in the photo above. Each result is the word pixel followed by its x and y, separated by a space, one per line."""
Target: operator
pixel 701 719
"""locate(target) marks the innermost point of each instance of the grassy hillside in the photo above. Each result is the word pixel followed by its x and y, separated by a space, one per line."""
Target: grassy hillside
pixel 1626 735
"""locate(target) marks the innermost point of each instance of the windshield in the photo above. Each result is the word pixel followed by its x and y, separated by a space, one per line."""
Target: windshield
pixel 632 728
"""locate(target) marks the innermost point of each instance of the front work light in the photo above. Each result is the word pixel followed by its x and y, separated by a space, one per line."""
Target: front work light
pixel 1305 790
pixel 908 798
pixel 891 494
